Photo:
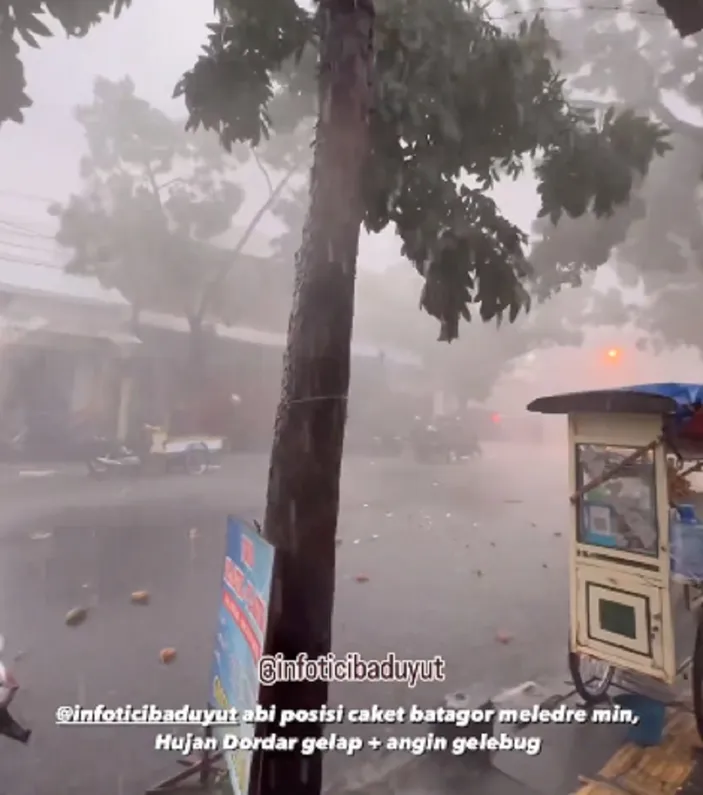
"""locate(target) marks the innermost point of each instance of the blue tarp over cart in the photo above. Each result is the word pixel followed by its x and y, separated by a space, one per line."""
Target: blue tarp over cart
pixel 681 403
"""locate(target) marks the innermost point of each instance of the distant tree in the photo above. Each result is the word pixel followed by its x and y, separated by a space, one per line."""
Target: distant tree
pixel 154 203
pixel 270 299
pixel 656 240
pixel 421 107
pixel 470 368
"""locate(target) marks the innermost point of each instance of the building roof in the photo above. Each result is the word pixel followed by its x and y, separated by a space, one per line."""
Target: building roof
pixel 275 339
pixel 50 282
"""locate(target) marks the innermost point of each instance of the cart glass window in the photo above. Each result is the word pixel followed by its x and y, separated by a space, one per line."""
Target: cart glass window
pixel 622 512
pixel 617 618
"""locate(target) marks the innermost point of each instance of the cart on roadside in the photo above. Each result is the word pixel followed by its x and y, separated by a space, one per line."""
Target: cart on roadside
pixel 158 452
pixel 636 552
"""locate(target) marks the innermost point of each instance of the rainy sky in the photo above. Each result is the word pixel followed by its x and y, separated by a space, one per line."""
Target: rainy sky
pixel 154 42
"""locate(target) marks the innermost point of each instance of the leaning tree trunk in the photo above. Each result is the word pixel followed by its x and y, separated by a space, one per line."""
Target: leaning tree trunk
pixel 193 378
pixel 306 460
pixel 195 360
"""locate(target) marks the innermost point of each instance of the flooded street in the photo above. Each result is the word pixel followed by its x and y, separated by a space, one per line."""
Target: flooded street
pixel 466 561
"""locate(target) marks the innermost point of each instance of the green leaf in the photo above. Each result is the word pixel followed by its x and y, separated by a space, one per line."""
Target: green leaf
pixel 32 23
pixel 75 18
pixel 232 83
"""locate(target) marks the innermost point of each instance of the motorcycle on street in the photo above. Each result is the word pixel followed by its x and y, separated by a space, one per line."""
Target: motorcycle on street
pixel 153 450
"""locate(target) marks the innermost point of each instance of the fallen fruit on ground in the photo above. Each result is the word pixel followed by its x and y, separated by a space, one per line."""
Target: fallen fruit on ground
pixel 167 656
pixel 76 616
pixel 140 597
pixel 361 578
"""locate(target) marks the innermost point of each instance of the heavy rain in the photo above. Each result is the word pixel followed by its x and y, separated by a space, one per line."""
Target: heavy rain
pixel 314 288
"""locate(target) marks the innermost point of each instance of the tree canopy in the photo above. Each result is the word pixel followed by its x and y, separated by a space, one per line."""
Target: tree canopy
pixel 21 22
pixel 459 104
pixel 656 240
pixel 441 138
pixel 152 199
pixel 155 206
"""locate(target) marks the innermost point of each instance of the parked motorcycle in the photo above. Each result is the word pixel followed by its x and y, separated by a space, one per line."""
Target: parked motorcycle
pixel 109 457
pixel 9 686
pixel 155 450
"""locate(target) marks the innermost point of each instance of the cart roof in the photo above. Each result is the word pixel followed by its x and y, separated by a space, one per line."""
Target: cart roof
pixel 681 400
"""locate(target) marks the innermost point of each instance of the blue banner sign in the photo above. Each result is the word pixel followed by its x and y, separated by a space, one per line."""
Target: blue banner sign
pixel 241 635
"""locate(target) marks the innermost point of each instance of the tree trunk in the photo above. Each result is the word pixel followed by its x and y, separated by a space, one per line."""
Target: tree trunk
pixel 185 416
pixel 303 488
pixel 195 357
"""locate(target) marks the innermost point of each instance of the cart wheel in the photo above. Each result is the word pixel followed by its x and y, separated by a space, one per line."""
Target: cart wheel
pixel 197 459
pixel 591 677
pixel 697 677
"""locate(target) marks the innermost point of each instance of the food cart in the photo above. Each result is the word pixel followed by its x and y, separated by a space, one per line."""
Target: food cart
pixel 156 451
pixel 636 552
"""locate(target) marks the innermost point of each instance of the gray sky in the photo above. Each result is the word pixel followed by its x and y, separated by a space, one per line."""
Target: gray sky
pixel 154 42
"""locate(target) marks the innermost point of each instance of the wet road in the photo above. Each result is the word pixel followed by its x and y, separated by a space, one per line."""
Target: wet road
pixel 467 561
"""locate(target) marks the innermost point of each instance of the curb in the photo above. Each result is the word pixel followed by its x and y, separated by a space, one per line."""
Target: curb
pixel 385 772
pixel 35 473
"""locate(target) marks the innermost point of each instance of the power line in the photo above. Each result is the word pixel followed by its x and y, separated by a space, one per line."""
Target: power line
pixel 28 248
pixel 23 261
pixel 25 231
pixel 11 194
pixel 620 9
pixel 567 9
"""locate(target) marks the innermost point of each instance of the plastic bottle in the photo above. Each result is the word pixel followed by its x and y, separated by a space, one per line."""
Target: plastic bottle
pixel 686 543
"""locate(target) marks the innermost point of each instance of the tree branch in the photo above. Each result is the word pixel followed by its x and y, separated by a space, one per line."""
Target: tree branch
pixel 155 188
pixel 655 106
pixel 166 184
pixel 260 165
pixel 212 288
pixel 675 124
